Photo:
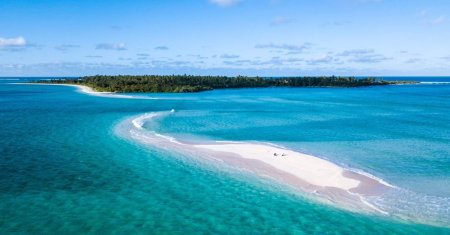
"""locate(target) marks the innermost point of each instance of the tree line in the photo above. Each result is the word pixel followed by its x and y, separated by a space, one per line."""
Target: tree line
pixel 191 83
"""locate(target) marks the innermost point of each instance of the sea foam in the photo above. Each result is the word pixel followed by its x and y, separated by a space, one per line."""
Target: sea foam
pixel 434 83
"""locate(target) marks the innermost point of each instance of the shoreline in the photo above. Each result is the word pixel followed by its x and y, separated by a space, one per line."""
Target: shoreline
pixel 90 91
pixel 319 178
pixel 81 88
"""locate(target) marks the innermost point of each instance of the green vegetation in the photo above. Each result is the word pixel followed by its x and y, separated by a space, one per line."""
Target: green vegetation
pixel 189 83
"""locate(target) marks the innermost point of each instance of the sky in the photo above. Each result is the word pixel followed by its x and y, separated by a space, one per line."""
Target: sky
pixel 225 37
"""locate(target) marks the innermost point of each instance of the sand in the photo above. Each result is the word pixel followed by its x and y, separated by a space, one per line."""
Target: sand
pixel 89 91
pixel 311 169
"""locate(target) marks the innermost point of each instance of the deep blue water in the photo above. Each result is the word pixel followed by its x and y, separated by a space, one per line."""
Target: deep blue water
pixel 63 169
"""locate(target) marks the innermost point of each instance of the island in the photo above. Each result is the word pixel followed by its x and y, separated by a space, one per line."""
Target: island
pixel 192 83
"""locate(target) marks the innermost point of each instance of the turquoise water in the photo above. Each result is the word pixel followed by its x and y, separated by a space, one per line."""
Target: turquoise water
pixel 64 169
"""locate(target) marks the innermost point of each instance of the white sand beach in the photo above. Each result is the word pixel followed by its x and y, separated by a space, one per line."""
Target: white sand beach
pixel 89 91
pixel 84 89
pixel 326 180
pixel 81 88
pixel 313 170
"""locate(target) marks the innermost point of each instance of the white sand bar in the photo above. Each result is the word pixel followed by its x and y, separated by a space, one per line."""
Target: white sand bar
pixel 312 175
pixel 311 169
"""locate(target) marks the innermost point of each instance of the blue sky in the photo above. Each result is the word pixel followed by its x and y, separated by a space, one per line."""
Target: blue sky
pixel 225 37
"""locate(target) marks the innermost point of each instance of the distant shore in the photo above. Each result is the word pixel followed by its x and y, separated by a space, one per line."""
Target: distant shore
pixel 188 83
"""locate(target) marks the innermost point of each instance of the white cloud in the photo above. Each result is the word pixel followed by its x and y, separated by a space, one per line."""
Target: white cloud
pixel 66 47
pixel 229 56
pixel 356 52
pixel 432 19
pixel 280 20
pixel 363 56
pixel 163 48
pixel 424 12
pixel 12 42
pixel 94 56
pixel 109 46
pixel 439 20
pixel 322 59
pixel 224 3
pixel 413 60
pixel 291 49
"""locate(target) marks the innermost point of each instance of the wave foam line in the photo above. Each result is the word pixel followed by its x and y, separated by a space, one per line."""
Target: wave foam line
pixel 434 83
pixel 140 121
pixel 372 177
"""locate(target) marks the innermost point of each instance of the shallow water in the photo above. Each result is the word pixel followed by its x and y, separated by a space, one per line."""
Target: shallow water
pixel 63 169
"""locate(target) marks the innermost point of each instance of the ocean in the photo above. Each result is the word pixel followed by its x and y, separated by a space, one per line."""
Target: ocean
pixel 67 165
